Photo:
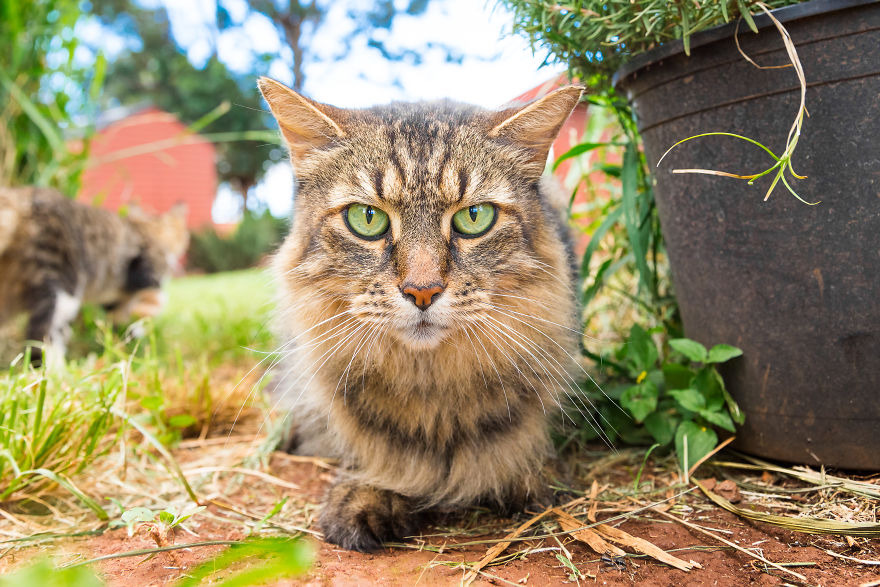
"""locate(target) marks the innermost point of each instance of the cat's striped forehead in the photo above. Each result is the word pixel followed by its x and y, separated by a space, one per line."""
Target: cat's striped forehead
pixel 424 155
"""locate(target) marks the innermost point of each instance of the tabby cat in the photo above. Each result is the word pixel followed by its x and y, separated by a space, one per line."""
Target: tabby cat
pixel 427 300
pixel 56 253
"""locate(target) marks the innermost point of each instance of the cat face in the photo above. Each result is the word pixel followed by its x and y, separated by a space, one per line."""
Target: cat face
pixel 418 219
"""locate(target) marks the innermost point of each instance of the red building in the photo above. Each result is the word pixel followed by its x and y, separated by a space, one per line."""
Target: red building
pixel 150 159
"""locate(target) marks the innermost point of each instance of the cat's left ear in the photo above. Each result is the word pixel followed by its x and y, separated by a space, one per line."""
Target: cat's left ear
pixel 534 126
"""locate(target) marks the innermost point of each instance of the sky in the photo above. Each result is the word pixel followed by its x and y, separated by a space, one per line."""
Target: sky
pixel 497 67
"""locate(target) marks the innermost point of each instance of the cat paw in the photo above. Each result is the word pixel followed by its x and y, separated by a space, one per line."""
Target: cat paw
pixel 361 517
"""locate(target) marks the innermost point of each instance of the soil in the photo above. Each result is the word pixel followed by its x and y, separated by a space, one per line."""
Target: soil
pixel 719 565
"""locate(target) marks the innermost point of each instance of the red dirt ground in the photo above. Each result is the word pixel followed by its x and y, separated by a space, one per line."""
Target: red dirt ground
pixel 722 566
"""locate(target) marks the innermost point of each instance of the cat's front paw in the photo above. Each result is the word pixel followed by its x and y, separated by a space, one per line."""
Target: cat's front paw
pixel 361 517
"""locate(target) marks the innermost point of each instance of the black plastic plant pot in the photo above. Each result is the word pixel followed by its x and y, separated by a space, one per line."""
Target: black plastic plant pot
pixel 797 287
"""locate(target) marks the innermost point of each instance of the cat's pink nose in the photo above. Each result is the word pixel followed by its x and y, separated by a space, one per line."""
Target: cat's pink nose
pixel 422 297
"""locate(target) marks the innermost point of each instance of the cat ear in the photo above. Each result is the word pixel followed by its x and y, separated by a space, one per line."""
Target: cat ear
pixel 534 126
pixel 178 210
pixel 305 124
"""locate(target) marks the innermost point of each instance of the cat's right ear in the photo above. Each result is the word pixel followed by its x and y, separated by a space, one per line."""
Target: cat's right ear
pixel 305 124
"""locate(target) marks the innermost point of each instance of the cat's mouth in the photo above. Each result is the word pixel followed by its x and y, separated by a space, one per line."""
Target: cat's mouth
pixel 424 334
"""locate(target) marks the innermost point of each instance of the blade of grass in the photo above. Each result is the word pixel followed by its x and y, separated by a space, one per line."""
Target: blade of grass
pixel 69 485
pixel 169 459
pixel 800 524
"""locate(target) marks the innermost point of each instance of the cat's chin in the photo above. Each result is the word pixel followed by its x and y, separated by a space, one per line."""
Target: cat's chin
pixel 422 336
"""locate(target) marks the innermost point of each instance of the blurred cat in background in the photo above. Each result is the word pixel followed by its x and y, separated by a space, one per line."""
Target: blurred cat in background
pixel 428 306
pixel 56 254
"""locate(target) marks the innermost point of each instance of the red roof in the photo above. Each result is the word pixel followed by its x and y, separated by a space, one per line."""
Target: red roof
pixel 151 160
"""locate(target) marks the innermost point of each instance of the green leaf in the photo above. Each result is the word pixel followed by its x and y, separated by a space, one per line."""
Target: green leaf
pixel 166 518
pixel 694 442
pixel 610 169
pixel 690 349
pixel 47 127
pixel 720 419
pixel 708 382
pixel 677 376
pixel 151 402
pixel 181 421
pixel 136 515
pixel 689 399
pixel 44 574
pixel 744 11
pixel 640 350
pixel 578 150
pixel 662 426
pixel 635 229
pixel 598 281
pixel 735 412
pixel 640 400
pixel 69 486
pixel 609 221
pixel 280 558
pixel 723 352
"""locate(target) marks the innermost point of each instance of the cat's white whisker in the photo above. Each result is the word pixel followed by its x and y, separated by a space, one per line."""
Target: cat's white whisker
pixel 347 333
pixel 576 395
pixel 466 330
pixel 574 361
pixel 513 332
pixel 491 362
pixel 364 332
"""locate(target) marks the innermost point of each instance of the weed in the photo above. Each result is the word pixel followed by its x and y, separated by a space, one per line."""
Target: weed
pixel 54 425
pixel 673 398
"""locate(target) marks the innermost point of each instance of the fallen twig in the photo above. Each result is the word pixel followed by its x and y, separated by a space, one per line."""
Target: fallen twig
pixel 853 559
pixel 494 551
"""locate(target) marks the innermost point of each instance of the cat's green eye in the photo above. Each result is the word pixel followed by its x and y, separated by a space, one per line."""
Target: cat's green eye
pixel 474 221
pixel 366 221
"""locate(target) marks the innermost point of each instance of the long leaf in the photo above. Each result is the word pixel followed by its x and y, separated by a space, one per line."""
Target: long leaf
pixel 629 200
pixel 580 150
pixel 46 126
pixel 69 485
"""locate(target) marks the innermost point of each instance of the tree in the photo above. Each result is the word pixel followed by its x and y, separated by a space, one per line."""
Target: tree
pixel 159 73
pixel 297 22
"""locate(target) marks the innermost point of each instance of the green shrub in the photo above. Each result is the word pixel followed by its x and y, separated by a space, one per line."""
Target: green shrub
pixel 595 37
pixel 37 105
pixel 256 236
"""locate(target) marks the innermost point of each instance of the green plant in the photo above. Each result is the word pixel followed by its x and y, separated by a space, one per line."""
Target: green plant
pixel 54 425
pixel 37 104
pixel 158 525
pixel 44 574
pixel 278 558
pixel 675 399
pixel 254 237
pixel 595 37
pixel 625 258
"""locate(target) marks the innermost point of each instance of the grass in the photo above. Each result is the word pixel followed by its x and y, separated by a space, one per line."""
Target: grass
pixel 130 398
pixel 218 317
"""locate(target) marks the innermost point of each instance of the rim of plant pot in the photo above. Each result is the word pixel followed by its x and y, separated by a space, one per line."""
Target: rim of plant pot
pixel 783 15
